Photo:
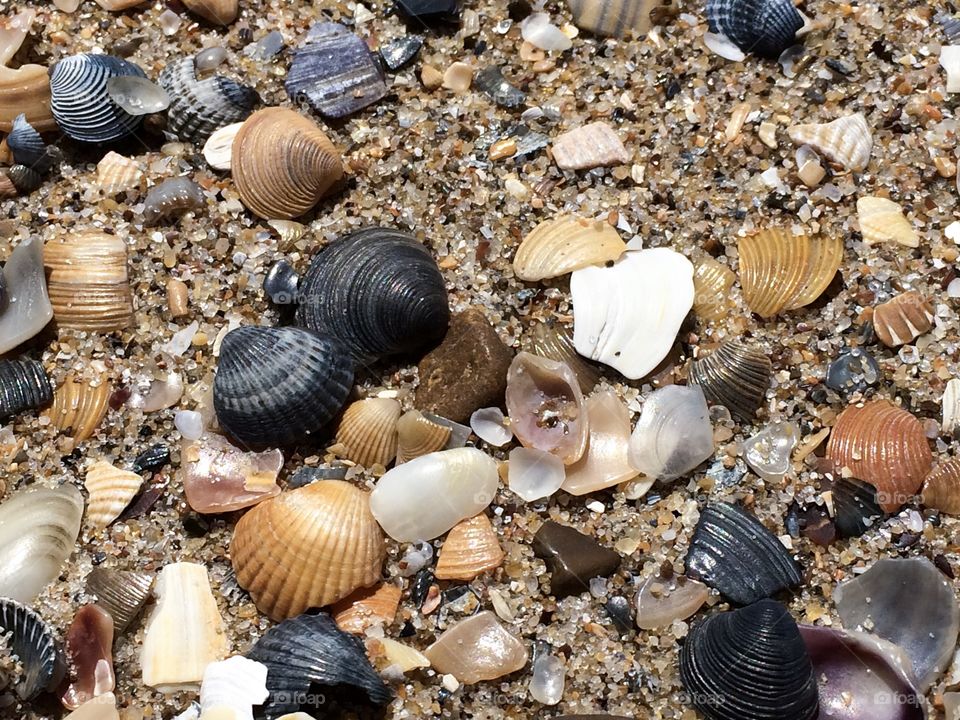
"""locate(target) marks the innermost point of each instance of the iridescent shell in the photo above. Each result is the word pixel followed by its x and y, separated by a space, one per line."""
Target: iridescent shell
pixel 846 140
pixel 567 243
pixel 555 342
pixel 903 318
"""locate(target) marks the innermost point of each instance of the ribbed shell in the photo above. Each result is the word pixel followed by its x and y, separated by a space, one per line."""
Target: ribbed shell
pixel 470 549
pixel 111 490
pixel 735 375
pixel 80 102
pixel 882 220
pixel 121 593
pixel 941 489
pixel 781 271
pixel 567 243
pixel 116 173
pixel 79 406
pixel 749 664
pixel 199 107
pixel 24 178
pixel 733 552
pixel 590 146
pixel 883 445
pixel 416 436
pixel 712 281
pixel 367 433
pixel 283 164
pixel 555 342
pixel 855 508
pixel 307 548
pixel 27 146
pixel 7 188
pixel 367 607
pixel 902 319
pixel 846 140
pixel 277 386
pixel 378 290
pixel 23 386
pixel 36 647
pixel 762 27
pixel 612 18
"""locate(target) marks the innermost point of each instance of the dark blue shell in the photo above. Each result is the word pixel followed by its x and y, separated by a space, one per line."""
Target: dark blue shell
pixel 27 146
pixel 762 27
pixel 23 386
pixel 34 643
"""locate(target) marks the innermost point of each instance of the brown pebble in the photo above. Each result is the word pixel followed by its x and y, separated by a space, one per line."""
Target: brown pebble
pixel 177 298
pixel 503 149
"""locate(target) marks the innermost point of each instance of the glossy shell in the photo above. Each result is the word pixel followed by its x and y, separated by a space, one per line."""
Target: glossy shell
pixel 673 434
pixel 605 462
pixel 735 375
pixel 903 319
pixel 23 386
pixel 79 406
pixel 220 477
pixel 27 309
pixel 218 12
pixel 846 140
pixel 661 601
pixel 567 243
pixel 882 220
pixel 941 489
pixel 36 647
pixel 111 490
pixel 122 593
pixel 476 649
pixel 855 508
pixel 712 281
pixel 762 27
pixel 26 89
pixel 28 147
pixel 418 435
pixel 90 651
pixel 171 199
pixel 471 548
pixel 367 433
pixel 367 607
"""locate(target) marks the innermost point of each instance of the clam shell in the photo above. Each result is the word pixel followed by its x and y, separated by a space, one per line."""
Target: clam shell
pixel 534 474
pixel 79 406
pixel 416 436
pixel 390 282
pixel 283 164
pixel 171 199
pixel 88 283
pixel 712 281
pixel 471 548
pixel 218 12
pixel 25 90
pixel 28 147
pixel 749 663
pixel 27 309
pixel 36 647
pixel 23 386
pixel 605 462
pixel 277 386
pixel 951 407
pixel 884 445
pixel 111 490
pixel 218 149
pixel 312 649
pixel 122 593
pixel 735 375
pixel 555 342
pixel 116 174
pixel 673 434
pixel 80 102
pixel 733 552
pixel 941 489
pixel 403 657
pixel 855 508
pixel 7 188
pixel 591 146
pixel 90 650
pixel 780 271
pixel 367 607
pixel 846 140
pixel 231 688
pixel 307 548
pixel 882 220
pixel 660 601
pixel 367 434
pixel 567 243
pixel 903 318
pixel 613 18
pixel 477 649
pixel 762 27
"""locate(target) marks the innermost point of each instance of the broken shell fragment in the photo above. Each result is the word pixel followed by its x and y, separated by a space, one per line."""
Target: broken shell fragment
pixel 674 433
pixel 137 95
pixel 111 490
pixel 220 477
pixel 367 607
pixel 394 654
pixel 27 308
pixel 555 342
pixel 491 426
pixel 171 199
pixel 846 140
pixel 768 452
pixel 218 149
pixel 477 649
pixel 855 508
pixel 950 62
pixel 661 601
pixel 116 174
pixel 567 243
pixel 471 548
pixel 882 220
pixel 605 462
pixel 591 146
pixel 90 651
pixel 763 27
pixel 367 433
pixel 34 644
pixel 79 406
pixel 735 375
pixel 903 319
pixel 23 386
pixel 231 687
pixel 712 281
pixel 534 474
pixel 950 402
pixel 99 708
pixel 941 489
pixel 122 593
pixel 26 89
pixel 417 435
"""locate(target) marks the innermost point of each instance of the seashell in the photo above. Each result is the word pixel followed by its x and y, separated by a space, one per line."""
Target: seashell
pixel 491 426
pixel 749 663
pixel 477 649
pixel 555 342
pixel 219 477
pixel 534 474
pixel 231 688
pixel 712 281
pixel 564 244
pixel 397 53
pixel 159 393
pixel 735 375
pixel 28 147
pixel 218 12
pixel 855 508
pixel 403 657
pixel 547 677
pixel 283 164
pixel 218 149
pixel 184 632
pixel 951 407
pixel 627 316
pixel 882 220
pixel 367 434
pixel 7 188
pixel 392 284
pixel 23 386
pixel 846 140
pixel 902 319
pixel 591 146
pixel 199 107
pixel 111 490
pixel 90 650
pixel 471 548
pixel 307 548
pixel 35 646
pixel 25 90
pixel 27 309
pixel 100 708
pixel 277 386
pixel 171 199
pixel 674 434
pixel 117 174
pixel 81 103
pixel 941 488
pixel 881 444
pixel 122 593
pixel 613 18
pixel 366 608
pixel 465 478
pixel 763 27
pixel 335 72
pixel 151 459
pixel 768 452
pixel 537 30
pixel 312 649
pixel 780 271
pixel 24 179
pixel 734 553
pixel 604 463
pixel 416 436
pixel 546 407
pixel 950 62
pixel 137 95
pixel 118 5
pixel 79 406
pixel 662 601
pixel 876 600
pixel 492 82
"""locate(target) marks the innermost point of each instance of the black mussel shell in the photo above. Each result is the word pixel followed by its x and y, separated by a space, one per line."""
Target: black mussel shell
pixel 28 147
pixel 23 386
pixel 36 647
pixel 733 552
pixel 24 178
pixel 762 27
pixel 377 290
pixel 735 375
pixel 492 82
pixel 749 664
pixel 151 459
pixel 277 386
pixel 312 649
pixel 855 507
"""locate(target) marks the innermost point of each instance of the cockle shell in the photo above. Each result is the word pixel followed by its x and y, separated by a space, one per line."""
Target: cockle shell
pixel 23 386
pixel 184 632
pixel 712 281
pixel 613 18
pixel 367 433
pixel 307 548
pixel 111 490
pixel 25 90
pixel 122 593
pixel 90 650
pixel 735 375
pixel 24 179
pixel 116 173
pixel 763 27
pixel 941 488
pixel 604 463
pixel 471 548
pixel 673 434
pixel 555 342
pixel 79 406
pixel 367 607
pixel 27 147
pixel 590 146
pixel 231 687
pixel 27 309
pixel 627 316
pixel 882 220
pixel 564 244
pixel 220 477
pixel 477 649
pixel 884 445
pixel 218 12
pixel 34 644
pixel 171 199
pixel 846 140
pixel 88 282
pixel 416 436
pixel 903 318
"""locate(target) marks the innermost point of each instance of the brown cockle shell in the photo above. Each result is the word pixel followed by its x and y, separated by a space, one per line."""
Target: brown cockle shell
pixel 782 271
pixel 218 12
pixel 902 319
pixel 712 281
pixel 567 243
pixel 122 593
pixel 307 548
pixel 367 607
pixel 941 489
pixel 367 433
pixel 417 435
pixel 283 164
pixel 79 406
pixel 884 445
pixel 111 490
pixel 90 649
pixel 470 549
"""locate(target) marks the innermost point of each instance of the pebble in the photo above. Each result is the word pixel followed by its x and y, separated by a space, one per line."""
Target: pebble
pixel 854 371
pixel 431 11
pixel 169 22
pixel 547 680
pixel 265 48
pixel 178 298
pixel 476 649
pixel 572 558
pixel 431 77
pixel 458 77
pixel 541 33
pixel 209 59
pixel 189 423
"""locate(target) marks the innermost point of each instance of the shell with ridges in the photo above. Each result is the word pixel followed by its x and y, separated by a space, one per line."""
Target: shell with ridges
pixel 25 90
pixel 231 688
pixel 367 433
pixel 116 173
pixel 23 386
pixel 27 146
pixel 712 281
pixel 903 318
pixel 79 406
pixel 218 12
pixel 590 146
pixel 367 607
pixel 613 18
pixel 604 463
pixel 36 647
pixel 763 27
pixel 846 140
pixel 735 375
pixel 471 548
pixel 111 490
pixel 941 489
pixel 416 436
pixel 882 220
pixel 122 593
pixel 566 243
pixel 555 342
pixel 25 179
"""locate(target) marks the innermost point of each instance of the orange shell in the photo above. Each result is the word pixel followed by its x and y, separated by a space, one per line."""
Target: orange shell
pixel 941 489
pixel 471 548
pixel 79 406
pixel 902 319
pixel 367 607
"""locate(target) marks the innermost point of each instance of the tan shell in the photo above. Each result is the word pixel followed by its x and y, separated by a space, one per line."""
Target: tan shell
pixel 780 271
pixel 941 489
pixel 902 319
pixel 615 18
pixel 386 652
pixel 307 548
pixel 87 282
pixel 283 163
pixel 477 648
pixel 712 281
pixel 218 12
pixel 7 188
pixel 846 140
pixel 79 406
pixel 102 707
pixel 470 549
pixel 367 434
pixel 116 173
pixel 418 436
pixel 25 89
pixel 883 445
pixel 604 464
pixel 560 246
pixel 367 607
pixel 882 220
pixel 590 146
pixel 111 490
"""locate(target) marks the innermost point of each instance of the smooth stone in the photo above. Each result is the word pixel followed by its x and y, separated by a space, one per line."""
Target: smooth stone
pixel 547 681
pixel 477 649
pixel 572 558
pixel 281 282
pixel 209 59
pixel 398 53
pixel 431 11
pixel 27 309
pixel 266 47
pixel 189 423
pixel 854 371
pixel 219 477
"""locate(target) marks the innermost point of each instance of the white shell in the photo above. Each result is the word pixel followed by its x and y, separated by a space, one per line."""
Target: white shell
pixel 534 474
pixel 423 498
pixel 951 407
pixel 111 490
pixel 231 688
pixel 846 140
pixel 491 426
pixel 673 434
pixel 218 149
pixel 950 62
pixel 537 30
pixel 627 315
pixel 28 308
pixel 401 656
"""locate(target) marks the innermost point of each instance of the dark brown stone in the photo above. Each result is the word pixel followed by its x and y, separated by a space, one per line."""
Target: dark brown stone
pixel 467 371
pixel 573 558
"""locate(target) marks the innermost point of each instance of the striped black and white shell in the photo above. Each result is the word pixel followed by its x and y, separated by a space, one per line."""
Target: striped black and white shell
pixel 736 375
pixel 23 386
pixel 36 647
pixel 378 290
pixel 80 102
pixel 277 386
pixel 200 107
pixel 28 147
pixel 762 27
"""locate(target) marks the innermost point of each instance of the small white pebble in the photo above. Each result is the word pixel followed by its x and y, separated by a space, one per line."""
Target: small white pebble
pixel 450 682
pixel 596 506
pixel 189 423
